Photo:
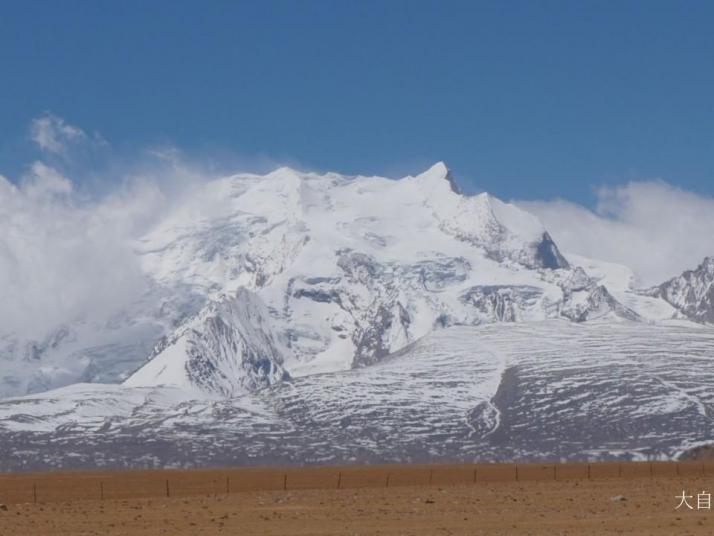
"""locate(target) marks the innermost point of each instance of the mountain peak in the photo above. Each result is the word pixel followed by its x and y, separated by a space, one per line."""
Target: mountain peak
pixel 439 172
pixel 439 168
pixel 285 171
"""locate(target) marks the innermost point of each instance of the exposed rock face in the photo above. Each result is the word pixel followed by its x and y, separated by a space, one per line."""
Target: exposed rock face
pixel 228 348
pixel 692 293
pixel 548 256
pixel 502 303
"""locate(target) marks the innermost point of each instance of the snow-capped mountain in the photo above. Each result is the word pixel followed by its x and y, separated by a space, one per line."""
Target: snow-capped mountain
pixel 354 269
pixel 302 317
pixel 691 293
pixel 348 270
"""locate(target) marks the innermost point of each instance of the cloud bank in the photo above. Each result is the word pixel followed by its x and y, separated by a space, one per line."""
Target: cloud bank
pixel 656 229
pixel 67 253
pixel 62 258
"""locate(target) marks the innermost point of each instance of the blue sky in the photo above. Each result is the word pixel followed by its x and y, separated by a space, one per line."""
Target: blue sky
pixel 523 99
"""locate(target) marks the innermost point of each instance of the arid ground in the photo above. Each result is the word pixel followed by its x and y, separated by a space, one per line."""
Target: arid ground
pixel 638 499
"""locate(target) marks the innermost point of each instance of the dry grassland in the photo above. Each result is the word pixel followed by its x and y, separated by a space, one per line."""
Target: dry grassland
pixel 386 500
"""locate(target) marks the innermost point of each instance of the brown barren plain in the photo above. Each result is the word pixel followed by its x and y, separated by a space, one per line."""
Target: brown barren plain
pixel 499 499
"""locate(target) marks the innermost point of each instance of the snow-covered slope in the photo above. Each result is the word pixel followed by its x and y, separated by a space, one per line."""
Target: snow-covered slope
pixel 528 391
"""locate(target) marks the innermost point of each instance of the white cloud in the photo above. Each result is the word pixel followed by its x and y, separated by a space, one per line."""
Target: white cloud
pixel 67 252
pixel 62 258
pixel 656 229
pixel 54 135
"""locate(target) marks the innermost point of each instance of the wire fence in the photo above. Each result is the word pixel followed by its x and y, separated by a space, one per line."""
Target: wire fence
pixel 120 485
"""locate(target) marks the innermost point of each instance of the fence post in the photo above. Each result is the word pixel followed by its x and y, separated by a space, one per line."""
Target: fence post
pixel 516 472
pixel 387 480
pixel 168 492
pixel 555 474
pixel 285 481
pixel 475 472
